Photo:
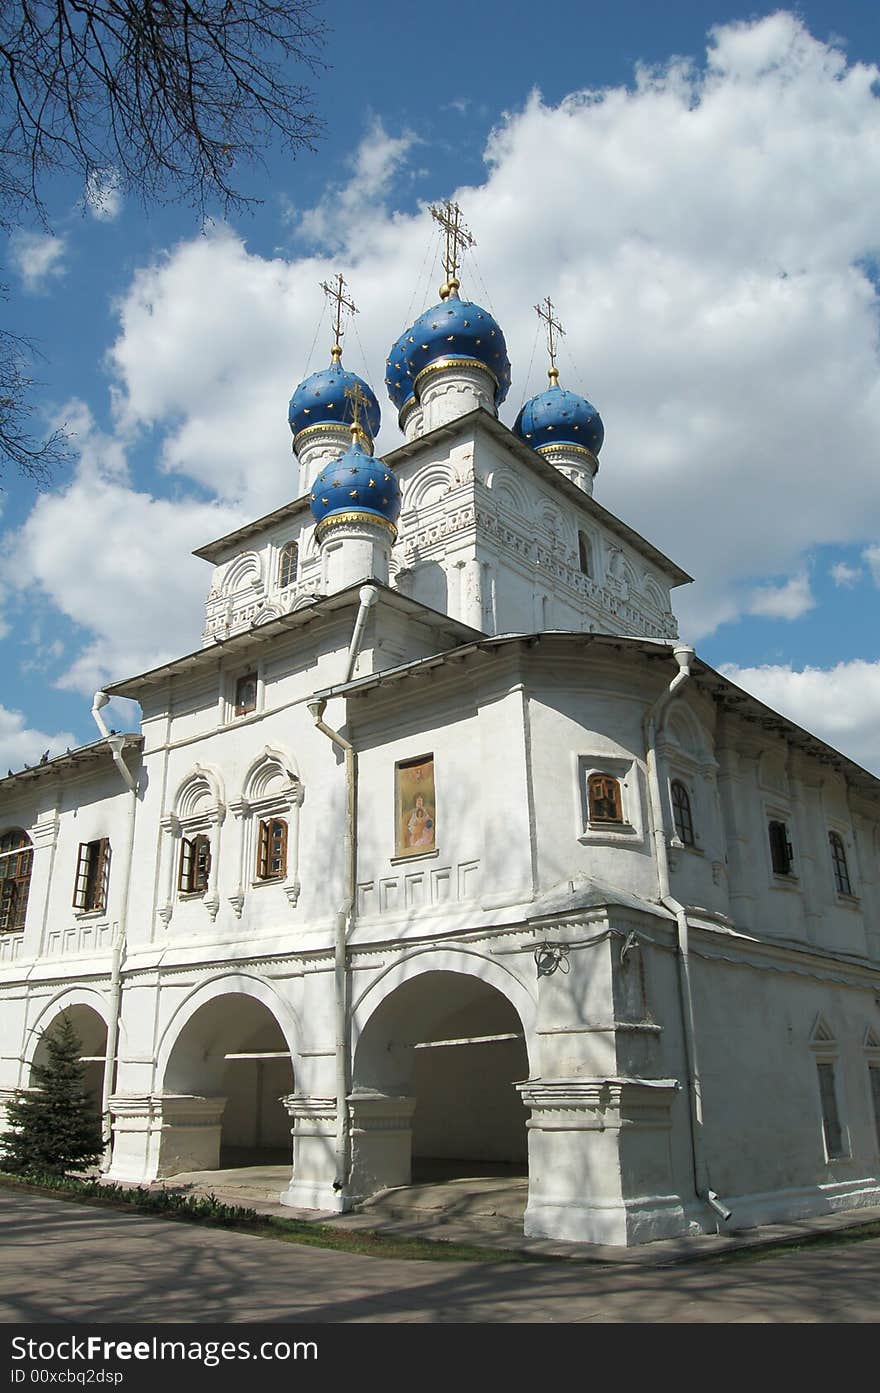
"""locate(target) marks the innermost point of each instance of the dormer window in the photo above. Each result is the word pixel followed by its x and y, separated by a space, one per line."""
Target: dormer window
pixel 246 694
pixel 288 561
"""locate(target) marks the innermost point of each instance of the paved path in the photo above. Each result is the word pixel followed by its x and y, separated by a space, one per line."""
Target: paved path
pixel 74 1263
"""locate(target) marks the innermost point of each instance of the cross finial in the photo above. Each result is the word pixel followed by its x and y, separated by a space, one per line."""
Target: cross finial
pixel 458 239
pixel 358 398
pixel 555 332
pixel 336 293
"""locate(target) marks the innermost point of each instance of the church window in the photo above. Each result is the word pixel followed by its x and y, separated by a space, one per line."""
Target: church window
pixel 838 862
pixel 195 865
pixel 874 1077
pixel 831 1126
pixel 604 798
pixel 681 813
pixel 92 875
pixel 272 849
pixel 16 860
pixel 287 564
pixel 781 853
pixel 246 694
pixel 585 554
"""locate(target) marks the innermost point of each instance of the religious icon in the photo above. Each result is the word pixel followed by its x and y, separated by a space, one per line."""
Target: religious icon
pixel 416 825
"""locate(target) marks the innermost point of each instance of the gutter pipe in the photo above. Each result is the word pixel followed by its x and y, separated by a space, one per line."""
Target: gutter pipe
pixel 653 725
pixel 115 743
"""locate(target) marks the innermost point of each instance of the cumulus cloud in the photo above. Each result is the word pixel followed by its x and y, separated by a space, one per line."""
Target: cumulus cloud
pixel 788 601
pixel 38 258
pixel 109 557
pixel 706 234
pixel 838 704
pixel 20 744
pixel 103 195
pixel 844 575
pixel 871 557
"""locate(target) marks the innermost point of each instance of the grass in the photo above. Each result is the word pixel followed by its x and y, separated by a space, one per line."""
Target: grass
pixel 210 1211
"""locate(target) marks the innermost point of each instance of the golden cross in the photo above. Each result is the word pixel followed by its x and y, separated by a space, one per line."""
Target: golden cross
pixel 358 398
pixel 336 293
pixel 554 330
pixel 458 238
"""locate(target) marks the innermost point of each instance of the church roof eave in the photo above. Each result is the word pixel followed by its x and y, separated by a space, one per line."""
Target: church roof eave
pixel 72 762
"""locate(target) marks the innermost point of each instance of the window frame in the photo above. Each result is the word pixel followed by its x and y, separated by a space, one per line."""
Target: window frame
pixel 603 789
pixel 265 832
pixel 15 886
pixel 830 1061
pixel 781 850
pixel 194 864
pixel 91 882
pixel 288 562
pixel 589 831
pixel 238 707
pixel 586 554
pixel 683 826
pixel 840 864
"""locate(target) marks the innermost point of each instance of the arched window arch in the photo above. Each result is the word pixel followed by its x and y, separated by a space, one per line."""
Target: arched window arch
pixel 838 862
pixel 16 861
pixel 604 798
pixel 682 816
pixel 288 561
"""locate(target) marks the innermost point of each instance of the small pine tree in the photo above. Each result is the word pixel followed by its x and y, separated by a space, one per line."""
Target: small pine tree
pixel 54 1129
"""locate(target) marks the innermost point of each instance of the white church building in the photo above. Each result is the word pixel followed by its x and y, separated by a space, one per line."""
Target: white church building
pixel 443 851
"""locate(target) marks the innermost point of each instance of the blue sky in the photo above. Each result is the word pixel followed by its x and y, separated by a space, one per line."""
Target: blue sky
pixel 698 188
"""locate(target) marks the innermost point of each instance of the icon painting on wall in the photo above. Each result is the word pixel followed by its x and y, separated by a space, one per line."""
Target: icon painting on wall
pixel 414 800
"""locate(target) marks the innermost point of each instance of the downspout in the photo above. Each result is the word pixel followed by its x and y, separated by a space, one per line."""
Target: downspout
pixel 368 596
pixel 344 917
pixel 115 743
pixel 653 724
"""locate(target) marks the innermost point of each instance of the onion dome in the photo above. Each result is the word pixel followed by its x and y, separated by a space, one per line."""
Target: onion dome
pixel 455 331
pixel 357 487
pixel 560 417
pixel 321 400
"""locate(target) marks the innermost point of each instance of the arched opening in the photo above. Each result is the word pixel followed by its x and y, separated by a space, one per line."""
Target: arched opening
pixel 455 1045
pixel 91 1030
pixel 232 1050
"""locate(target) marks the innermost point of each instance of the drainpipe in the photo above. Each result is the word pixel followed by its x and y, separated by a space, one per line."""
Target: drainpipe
pixel 653 724
pixel 344 917
pixel 368 595
pixel 115 743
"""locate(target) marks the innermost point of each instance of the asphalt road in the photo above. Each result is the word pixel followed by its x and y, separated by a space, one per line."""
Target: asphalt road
pixel 64 1262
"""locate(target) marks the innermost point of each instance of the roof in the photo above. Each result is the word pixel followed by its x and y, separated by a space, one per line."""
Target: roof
pixel 726 693
pixel 74 761
pixel 205 659
pixel 217 550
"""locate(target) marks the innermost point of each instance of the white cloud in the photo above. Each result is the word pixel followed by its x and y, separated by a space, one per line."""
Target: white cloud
pixel 871 557
pixel 20 744
pixel 844 575
pixel 704 235
pixel 788 601
pixel 838 704
pixel 109 557
pixel 103 195
pixel 38 258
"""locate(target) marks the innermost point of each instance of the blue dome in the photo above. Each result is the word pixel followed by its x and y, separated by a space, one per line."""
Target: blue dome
pixel 321 400
pixel 398 378
pixel 558 416
pixel 356 483
pixel 453 329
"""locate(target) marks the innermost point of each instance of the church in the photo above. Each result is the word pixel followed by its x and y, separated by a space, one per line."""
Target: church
pixel 443 854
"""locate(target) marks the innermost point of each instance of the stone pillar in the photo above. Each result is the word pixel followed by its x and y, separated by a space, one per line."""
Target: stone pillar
pixel 381 1143
pixel 576 462
pixel 156 1135
pixel 317 446
pixel 314 1154
pixel 353 549
pixel 452 387
pixel 599 1160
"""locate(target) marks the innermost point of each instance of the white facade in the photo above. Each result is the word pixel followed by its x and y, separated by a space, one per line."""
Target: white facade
pixel 662 1028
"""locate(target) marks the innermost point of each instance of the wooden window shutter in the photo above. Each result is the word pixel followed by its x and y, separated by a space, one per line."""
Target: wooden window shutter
pixel 81 879
pixel 184 873
pixel 604 798
pixel 263 852
pixel 201 862
pixel 102 873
